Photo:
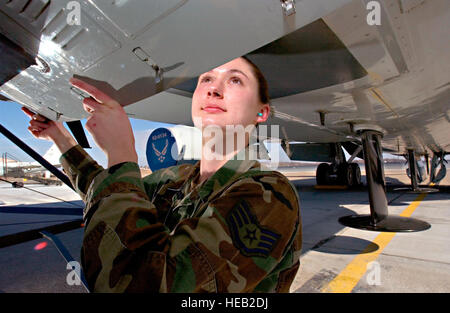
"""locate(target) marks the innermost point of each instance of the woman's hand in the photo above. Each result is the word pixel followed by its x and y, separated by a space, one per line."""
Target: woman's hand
pixel 108 124
pixel 43 128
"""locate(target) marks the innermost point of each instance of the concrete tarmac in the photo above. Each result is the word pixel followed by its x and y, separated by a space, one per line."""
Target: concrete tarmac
pixel 333 255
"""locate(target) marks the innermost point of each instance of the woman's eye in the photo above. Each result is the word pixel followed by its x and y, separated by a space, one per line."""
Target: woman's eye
pixel 236 80
pixel 205 79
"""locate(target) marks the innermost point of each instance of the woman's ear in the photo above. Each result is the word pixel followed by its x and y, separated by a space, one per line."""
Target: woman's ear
pixel 263 113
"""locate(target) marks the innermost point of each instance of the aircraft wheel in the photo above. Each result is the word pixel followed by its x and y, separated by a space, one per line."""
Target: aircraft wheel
pixel 323 174
pixel 356 174
pixel 345 174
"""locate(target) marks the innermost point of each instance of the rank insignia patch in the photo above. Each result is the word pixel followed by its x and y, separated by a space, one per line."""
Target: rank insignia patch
pixel 248 236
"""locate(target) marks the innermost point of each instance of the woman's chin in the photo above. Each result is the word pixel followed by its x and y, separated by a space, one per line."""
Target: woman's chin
pixel 209 121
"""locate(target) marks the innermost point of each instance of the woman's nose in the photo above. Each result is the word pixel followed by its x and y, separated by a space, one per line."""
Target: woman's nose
pixel 214 92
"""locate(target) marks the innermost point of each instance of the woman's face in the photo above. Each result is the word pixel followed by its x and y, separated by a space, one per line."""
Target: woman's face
pixel 228 95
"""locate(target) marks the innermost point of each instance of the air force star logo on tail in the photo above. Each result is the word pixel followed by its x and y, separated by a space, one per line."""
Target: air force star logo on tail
pixel 248 236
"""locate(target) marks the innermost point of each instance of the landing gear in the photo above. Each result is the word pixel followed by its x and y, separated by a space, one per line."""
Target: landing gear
pixel 345 174
pixel 415 176
pixel 438 162
pixel 379 219
pixel 323 174
pixel 339 172
pixel 356 174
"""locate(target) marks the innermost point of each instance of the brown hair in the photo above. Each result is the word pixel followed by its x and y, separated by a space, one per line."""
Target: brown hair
pixel 263 88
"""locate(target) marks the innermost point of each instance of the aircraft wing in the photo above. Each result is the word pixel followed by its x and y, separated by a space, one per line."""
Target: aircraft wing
pixel 338 75
pixel 134 49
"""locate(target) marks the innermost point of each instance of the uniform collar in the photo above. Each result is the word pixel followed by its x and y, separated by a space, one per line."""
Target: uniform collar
pixel 197 195
pixel 241 163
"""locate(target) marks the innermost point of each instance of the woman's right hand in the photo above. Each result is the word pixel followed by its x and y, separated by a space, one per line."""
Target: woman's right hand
pixel 43 128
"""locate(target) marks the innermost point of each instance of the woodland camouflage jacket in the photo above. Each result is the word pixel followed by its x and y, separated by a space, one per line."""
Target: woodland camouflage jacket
pixel 238 231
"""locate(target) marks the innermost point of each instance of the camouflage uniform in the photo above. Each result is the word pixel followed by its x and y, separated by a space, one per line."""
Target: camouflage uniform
pixel 238 231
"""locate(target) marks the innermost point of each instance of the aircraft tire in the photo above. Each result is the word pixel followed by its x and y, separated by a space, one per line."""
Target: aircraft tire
pixel 323 174
pixel 345 175
pixel 356 174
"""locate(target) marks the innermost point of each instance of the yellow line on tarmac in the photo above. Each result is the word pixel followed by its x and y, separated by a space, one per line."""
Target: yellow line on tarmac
pixel 354 271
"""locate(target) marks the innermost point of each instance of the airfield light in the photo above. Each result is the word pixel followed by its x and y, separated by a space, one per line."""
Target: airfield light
pixel 40 246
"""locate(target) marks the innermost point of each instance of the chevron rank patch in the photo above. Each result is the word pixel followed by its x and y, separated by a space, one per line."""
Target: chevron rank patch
pixel 248 236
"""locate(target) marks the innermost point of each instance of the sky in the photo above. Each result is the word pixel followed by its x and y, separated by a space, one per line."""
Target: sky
pixel 12 118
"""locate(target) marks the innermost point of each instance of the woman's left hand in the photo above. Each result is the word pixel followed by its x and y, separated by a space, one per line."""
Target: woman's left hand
pixel 108 124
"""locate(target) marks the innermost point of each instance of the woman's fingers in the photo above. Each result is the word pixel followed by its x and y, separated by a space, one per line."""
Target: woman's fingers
pixel 41 125
pixel 40 118
pixel 35 133
pixel 28 112
pixel 35 130
pixel 34 116
pixel 98 95
pixel 38 123
pixel 90 105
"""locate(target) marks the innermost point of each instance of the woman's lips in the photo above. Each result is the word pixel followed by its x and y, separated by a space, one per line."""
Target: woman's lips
pixel 213 109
